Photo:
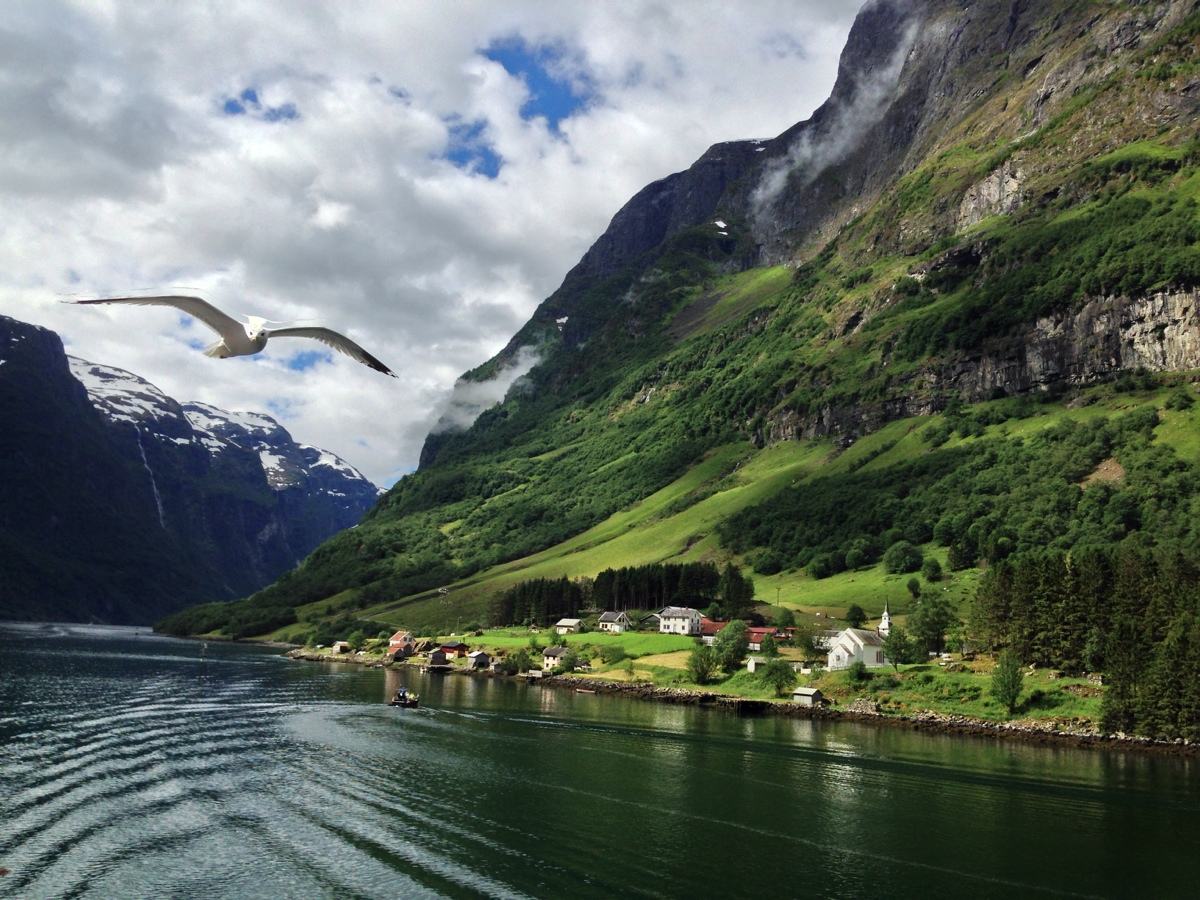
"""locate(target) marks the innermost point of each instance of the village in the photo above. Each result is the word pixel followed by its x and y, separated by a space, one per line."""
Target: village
pixel 821 662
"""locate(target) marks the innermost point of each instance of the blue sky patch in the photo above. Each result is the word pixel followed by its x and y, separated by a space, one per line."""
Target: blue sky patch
pixel 552 96
pixel 468 149
pixel 306 359
pixel 285 111
pixel 247 103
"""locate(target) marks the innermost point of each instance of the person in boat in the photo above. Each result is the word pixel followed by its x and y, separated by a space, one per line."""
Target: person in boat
pixel 402 694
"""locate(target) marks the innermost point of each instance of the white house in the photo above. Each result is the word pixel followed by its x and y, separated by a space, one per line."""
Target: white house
pixel 567 626
pixel 615 622
pixel 551 657
pixel 679 620
pixel 856 645
pixel 823 640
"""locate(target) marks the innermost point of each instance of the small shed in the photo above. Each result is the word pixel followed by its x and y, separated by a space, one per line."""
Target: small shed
pixel 340 647
pixel 567 626
pixel 807 696
pixel 438 658
pixel 478 659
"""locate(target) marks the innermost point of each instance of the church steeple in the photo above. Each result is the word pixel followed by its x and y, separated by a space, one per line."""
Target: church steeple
pixel 885 622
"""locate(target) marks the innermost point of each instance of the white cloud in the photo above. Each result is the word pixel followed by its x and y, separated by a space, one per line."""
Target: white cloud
pixel 118 170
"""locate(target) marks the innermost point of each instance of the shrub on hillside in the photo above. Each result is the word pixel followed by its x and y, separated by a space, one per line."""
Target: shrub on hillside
pixel 902 556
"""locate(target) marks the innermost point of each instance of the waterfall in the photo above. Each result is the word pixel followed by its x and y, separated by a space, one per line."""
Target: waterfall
pixel 153 484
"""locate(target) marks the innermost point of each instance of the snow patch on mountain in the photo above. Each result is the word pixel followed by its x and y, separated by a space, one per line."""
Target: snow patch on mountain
pixel 125 397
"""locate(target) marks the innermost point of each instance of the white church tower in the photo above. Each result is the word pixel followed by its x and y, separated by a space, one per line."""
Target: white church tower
pixel 885 622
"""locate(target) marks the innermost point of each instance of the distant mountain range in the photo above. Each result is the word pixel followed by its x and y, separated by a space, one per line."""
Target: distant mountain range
pixel 121 504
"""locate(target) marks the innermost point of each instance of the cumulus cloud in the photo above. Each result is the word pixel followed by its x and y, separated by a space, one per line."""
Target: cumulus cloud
pixel 331 162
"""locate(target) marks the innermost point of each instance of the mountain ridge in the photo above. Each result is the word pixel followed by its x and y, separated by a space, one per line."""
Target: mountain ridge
pixel 206 504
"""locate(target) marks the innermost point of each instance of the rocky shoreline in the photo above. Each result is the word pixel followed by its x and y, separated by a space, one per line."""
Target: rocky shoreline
pixel 864 710
pixel 861 710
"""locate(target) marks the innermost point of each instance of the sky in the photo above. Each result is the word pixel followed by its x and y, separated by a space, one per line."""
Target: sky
pixel 419 175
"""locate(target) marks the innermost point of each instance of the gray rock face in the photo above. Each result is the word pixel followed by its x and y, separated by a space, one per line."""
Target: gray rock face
pixel 998 194
pixel 1108 335
pixel 666 207
pixel 124 504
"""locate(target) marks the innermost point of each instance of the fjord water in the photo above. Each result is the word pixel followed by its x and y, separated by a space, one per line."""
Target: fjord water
pixel 135 766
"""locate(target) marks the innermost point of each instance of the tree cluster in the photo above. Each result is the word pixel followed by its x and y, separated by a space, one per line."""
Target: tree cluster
pixel 657 585
pixel 1130 612
pixel 540 601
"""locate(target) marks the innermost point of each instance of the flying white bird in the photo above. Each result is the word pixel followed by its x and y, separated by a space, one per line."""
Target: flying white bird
pixel 249 337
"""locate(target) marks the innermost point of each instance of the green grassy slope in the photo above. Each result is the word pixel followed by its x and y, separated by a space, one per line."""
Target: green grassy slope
pixel 677 523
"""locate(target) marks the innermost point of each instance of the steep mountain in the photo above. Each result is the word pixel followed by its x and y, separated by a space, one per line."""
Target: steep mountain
pixel 120 504
pixel 970 276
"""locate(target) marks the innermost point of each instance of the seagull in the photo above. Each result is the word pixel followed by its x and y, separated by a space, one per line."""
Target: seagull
pixel 249 337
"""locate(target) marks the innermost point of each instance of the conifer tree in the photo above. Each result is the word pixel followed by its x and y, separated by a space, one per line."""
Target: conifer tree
pixel 1007 680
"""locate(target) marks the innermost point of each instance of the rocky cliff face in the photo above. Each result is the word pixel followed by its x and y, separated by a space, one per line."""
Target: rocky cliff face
pixel 1159 333
pixel 915 76
pixel 124 504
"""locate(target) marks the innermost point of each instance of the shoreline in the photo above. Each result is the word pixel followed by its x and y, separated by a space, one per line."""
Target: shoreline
pixel 860 711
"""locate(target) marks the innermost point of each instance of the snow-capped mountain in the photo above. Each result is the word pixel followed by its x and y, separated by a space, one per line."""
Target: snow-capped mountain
pixel 124 504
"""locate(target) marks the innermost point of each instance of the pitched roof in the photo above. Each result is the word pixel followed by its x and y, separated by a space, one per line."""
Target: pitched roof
pixel 568 622
pixel 866 638
pixel 477 653
pixel 806 692
pixel 399 636
pixel 554 651
pixel 710 626
pixel 612 616
pixel 685 612
pixel 453 645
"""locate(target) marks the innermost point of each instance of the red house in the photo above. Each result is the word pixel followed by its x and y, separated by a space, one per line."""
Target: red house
pixel 755 635
pixel 709 628
pixel 454 648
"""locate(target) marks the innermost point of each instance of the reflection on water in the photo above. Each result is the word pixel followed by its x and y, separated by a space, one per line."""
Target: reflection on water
pixel 139 765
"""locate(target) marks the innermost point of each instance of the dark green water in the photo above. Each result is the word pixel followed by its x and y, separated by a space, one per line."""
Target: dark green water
pixel 132 767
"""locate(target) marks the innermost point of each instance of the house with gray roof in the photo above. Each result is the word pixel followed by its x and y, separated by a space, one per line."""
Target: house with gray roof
pixel 614 622
pixel 552 657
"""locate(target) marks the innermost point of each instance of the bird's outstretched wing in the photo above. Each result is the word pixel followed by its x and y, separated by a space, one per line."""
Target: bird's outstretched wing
pixel 224 325
pixel 338 342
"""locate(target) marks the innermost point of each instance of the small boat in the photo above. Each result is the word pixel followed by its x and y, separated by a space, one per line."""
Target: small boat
pixel 405 701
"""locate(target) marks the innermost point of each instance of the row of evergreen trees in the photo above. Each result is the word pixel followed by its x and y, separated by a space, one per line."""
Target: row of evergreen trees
pixel 545 600
pixel 1131 611
pixel 540 601
pixel 656 585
